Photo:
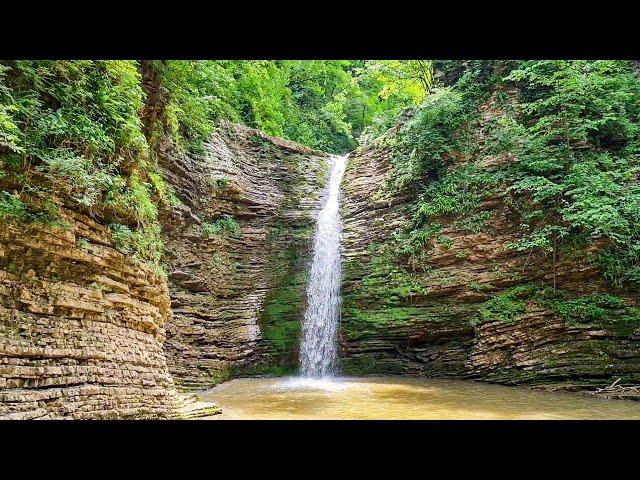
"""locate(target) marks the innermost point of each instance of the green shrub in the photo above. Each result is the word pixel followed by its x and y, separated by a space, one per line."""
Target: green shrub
pixel 218 184
pixel 588 308
pixel 143 244
pixel 11 207
pixel 507 306
pixel 222 226
pixel 578 150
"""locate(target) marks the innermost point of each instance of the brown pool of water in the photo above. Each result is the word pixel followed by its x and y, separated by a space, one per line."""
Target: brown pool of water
pixel 403 398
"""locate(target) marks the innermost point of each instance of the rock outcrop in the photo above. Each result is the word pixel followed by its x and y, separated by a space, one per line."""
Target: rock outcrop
pixel 422 318
pixel 82 326
pixel 237 298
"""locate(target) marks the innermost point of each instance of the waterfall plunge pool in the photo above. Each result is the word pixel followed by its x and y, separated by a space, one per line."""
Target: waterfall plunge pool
pixel 400 398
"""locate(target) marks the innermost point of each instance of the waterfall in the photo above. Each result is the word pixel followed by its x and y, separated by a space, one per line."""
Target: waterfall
pixel 319 345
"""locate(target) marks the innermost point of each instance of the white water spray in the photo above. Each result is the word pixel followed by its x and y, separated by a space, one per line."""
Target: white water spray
pixel 319 346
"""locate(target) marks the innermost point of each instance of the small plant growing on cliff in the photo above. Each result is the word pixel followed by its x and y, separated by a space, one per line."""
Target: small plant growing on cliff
pixel 144 244
pixel 446 242
pixel 222 226
pixel 505 307
pixel 216 261
pixel 218 184
pixel 122 238
pixel 83 244
pixel 475 223
pixel 166 192
pixel 12 207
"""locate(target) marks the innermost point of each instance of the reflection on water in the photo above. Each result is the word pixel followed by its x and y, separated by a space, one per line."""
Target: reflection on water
pixel 403 398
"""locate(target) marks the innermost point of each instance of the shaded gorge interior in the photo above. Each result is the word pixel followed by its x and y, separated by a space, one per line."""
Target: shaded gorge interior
pixel 157 250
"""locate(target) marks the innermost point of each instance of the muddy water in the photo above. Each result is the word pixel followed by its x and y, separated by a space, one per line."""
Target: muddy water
pixel 403 398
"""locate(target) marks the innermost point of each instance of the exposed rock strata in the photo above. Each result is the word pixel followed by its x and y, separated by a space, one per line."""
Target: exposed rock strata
pixel 82 326
pixel 237 302
pixel 397 320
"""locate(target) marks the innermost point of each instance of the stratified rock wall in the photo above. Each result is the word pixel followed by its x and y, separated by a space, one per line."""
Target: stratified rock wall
pixel 423 318
pixel 237 300
pixel 82 326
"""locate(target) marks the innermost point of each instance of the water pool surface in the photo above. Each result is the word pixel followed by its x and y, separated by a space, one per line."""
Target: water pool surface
pixel 403 398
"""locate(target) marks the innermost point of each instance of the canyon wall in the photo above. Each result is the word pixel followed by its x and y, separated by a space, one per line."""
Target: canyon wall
pixel 237 297
pixel 82 326
pixel 424 318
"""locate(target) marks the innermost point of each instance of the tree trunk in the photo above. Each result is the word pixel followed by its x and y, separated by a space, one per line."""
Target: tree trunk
pixel 154 102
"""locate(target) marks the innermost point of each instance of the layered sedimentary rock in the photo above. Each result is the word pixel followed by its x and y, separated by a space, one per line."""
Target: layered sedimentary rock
pixel 237 297
pixel 423 318
pixel 82 326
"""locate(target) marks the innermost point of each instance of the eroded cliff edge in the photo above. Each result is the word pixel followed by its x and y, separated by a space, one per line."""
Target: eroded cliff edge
pixel 237 250
pixel 440 315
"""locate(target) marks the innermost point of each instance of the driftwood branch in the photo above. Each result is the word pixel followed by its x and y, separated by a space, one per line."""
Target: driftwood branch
pixel 614 388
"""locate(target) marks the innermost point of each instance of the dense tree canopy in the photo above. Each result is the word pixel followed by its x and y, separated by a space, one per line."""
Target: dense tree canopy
pixel 325 104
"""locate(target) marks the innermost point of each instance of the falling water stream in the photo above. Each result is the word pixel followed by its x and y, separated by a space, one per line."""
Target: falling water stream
pixel 318 348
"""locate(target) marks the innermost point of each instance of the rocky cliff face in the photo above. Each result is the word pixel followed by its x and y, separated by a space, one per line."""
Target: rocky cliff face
pixel 238 292
pixel 88 332
pixel 423 317
pixel 82 326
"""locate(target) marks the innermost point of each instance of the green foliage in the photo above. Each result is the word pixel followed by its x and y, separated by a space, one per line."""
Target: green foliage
pixel 199 92
pixel 588 308
pixel 503 136
pixel 72 129
pixel 216 261
pixel 12 206
pixel 305 101
pixel 439 132
pixel 324 104
pixel 621 266
pixel 72 109
pixel 386 88
pixel 581 310
pixel 456 193
pixel 413 241
pixel 165 192
pixel 474 223
pixel 434 134
pixel 223 226
pixel 575 135
pixel 505 307
pixel 218 184
pixel 143 244
pixel 578 140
